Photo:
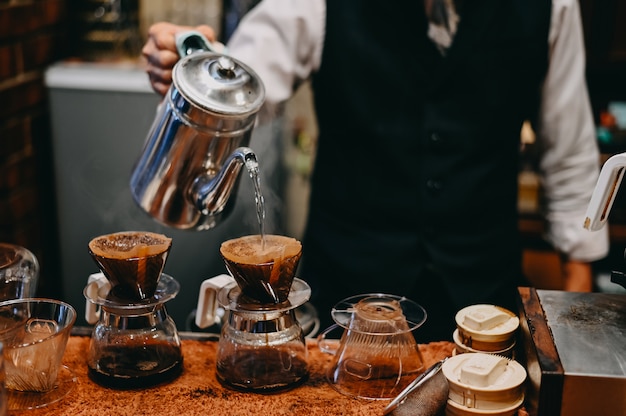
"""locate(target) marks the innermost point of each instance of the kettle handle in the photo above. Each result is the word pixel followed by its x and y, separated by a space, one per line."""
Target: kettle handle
pixel 190 41
pixel 327 345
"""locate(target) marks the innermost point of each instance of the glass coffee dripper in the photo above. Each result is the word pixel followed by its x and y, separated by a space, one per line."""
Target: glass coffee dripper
pixel 377 355
pixel 134 341
pixel 262 346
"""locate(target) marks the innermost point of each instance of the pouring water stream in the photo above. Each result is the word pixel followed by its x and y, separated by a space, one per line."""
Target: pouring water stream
pixel 253 170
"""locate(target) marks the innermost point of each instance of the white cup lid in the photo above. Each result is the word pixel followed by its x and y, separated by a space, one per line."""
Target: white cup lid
pixel 484 381
pixel 487 322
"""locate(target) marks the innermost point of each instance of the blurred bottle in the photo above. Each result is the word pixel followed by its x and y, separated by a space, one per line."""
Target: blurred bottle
pixel 181 12
pixel 529 186
pixel 108 30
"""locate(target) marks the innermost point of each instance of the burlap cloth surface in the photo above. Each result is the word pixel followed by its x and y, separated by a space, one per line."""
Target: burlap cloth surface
pixel 197 391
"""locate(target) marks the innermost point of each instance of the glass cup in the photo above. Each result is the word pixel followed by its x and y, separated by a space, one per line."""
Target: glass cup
pixel 34 333
pixel 19 272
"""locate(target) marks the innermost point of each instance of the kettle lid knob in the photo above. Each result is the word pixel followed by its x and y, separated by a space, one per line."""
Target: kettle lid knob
pixel 226 66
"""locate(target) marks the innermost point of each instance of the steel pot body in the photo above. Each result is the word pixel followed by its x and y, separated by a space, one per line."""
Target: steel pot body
pixel 198 141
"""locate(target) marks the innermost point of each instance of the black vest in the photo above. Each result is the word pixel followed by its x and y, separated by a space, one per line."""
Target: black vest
pixel 418 155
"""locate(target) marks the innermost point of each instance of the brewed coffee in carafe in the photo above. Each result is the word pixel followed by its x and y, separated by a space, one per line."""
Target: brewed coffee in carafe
pixel 262 345
pixel 134 342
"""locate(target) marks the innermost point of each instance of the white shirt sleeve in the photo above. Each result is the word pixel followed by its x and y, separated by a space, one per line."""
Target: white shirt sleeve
pixel 566 134
pixel 282 42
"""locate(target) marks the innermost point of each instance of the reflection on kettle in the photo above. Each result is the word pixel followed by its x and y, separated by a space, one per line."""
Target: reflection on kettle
pixel 196 146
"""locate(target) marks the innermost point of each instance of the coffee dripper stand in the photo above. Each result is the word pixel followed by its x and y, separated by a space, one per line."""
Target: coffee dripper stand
pixel 133 343
pixel 262 346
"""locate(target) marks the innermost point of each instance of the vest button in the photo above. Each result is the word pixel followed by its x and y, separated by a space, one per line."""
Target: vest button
pixel 435 140
pixel 434 185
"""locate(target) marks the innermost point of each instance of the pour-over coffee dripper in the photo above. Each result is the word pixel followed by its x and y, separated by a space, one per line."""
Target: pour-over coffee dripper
pixel 132 261
pixel 263 266
pixel 262 346
pixel 134 342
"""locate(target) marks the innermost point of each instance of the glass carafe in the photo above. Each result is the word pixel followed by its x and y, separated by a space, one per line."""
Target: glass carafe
pixel 133 344
pixel 262 347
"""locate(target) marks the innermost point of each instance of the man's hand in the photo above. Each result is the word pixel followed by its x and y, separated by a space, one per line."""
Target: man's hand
pixel 161 55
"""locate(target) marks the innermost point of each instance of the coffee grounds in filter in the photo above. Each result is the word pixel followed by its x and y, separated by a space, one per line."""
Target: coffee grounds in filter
pixel 129 244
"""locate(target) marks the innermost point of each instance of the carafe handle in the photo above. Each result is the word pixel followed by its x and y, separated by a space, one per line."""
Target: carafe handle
pixel 206 312
pixel 329 346
pixel 95 282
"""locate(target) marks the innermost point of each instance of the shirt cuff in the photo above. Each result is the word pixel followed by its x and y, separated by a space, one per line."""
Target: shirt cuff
pixel 568 236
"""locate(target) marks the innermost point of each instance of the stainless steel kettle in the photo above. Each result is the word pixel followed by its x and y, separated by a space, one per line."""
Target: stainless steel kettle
pixel 196 147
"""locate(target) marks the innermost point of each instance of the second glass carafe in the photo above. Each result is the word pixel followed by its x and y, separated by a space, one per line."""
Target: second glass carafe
pixel 262 347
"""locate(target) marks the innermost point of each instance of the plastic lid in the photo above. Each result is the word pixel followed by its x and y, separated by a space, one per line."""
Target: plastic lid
pixel 484 381
pixel 487 322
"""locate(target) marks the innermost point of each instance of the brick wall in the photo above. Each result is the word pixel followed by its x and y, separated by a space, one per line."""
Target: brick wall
pixel 33 35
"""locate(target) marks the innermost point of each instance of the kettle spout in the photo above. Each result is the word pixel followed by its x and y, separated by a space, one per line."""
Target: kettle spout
pixel 211 193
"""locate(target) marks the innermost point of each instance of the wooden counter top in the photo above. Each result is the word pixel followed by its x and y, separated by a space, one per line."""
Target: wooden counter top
pixel 197 391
